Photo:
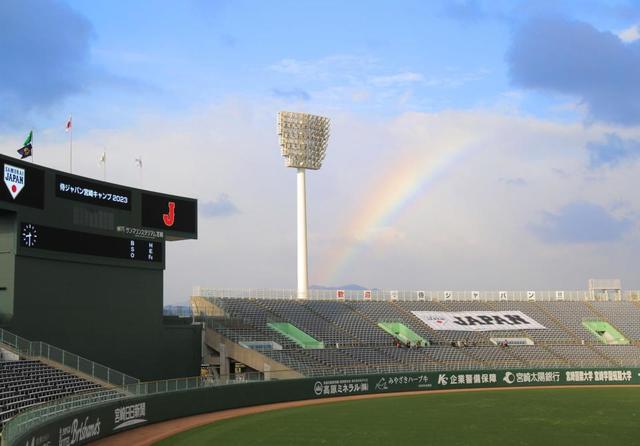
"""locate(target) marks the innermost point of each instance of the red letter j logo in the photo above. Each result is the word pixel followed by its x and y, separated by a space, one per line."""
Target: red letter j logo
pixel 169 218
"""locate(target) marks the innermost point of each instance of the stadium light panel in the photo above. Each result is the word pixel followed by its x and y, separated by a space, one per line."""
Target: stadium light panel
pixel 303 139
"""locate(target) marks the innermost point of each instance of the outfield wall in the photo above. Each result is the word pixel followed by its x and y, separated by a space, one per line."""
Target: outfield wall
pixel 86 424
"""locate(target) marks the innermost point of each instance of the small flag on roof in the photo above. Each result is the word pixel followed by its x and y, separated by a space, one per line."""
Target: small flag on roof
pixel 27 149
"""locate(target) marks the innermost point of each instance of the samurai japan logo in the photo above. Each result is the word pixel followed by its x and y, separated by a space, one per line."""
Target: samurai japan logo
pixel 14 179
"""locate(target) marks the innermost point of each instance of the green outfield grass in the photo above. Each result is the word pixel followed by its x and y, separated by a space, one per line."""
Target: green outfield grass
pixel 581 416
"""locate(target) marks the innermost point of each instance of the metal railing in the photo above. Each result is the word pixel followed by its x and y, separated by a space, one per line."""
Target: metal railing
pixel 29 419
pixel 455 366
pixel 42 350
pixel 419 295
pixel 24 421
pixel 196 382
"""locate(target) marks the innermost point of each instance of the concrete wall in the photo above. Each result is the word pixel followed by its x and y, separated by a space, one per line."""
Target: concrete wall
pixel 109 314
pixel 102 420
pixel 7 263
pixel 252 358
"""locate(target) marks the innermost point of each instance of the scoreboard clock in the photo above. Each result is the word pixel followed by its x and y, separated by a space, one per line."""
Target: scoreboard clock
pixel 34 236
pixel 29 235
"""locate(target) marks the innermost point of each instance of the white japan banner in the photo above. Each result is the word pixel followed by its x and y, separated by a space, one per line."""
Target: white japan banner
pixel 478 320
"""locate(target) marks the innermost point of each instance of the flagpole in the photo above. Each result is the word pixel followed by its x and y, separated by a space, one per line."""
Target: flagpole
pixel 138 162
pixel 71 145
pixel 102 160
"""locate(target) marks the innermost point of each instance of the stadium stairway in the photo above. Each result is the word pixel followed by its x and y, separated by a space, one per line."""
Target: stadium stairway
pixel 227 348
pixel 596 353
pixel 406 319
pixel 322 325
pixel 343 315
pixel 202 307
pixel 537 356
pixel 251 315
pixel 436 337
pixel 564 327
pixel 604 318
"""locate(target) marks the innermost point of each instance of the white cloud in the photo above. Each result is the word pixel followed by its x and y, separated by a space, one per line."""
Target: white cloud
pixel 344 81
pixel 342 66
pixel 384 235
pixel 360 95
pixel 454 78
pixel 469 227
pixel 462 227
pixel 397 79
pixel 630 34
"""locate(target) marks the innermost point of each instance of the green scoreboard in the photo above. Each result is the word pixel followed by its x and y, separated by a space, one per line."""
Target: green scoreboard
pixel 81 267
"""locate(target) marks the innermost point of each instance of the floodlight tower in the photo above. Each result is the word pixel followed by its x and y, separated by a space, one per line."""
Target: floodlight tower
pixel 303 144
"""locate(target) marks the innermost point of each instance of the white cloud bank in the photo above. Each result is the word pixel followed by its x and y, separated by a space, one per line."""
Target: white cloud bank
pixel 469 228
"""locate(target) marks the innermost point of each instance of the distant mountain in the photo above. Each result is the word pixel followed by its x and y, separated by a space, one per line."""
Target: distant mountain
pixel 351 287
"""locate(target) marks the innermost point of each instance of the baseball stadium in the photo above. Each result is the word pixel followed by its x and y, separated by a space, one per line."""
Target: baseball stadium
pixel 319 223
pixel 280 367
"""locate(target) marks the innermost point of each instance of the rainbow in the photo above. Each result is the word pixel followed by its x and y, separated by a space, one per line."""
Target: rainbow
pixel 403 184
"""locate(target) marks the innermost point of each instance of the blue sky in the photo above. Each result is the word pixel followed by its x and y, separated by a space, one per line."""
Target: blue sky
pixel 546 93
pixel 401 56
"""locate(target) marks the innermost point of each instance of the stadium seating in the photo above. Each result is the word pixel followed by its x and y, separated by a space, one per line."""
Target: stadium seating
pixel 26 383
pixel 622 315
pixel 354 343
pixel 571 315
pixel 307 320
pixel 628 355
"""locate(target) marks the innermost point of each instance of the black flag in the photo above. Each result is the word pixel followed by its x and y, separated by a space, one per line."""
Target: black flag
pixel 27 149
